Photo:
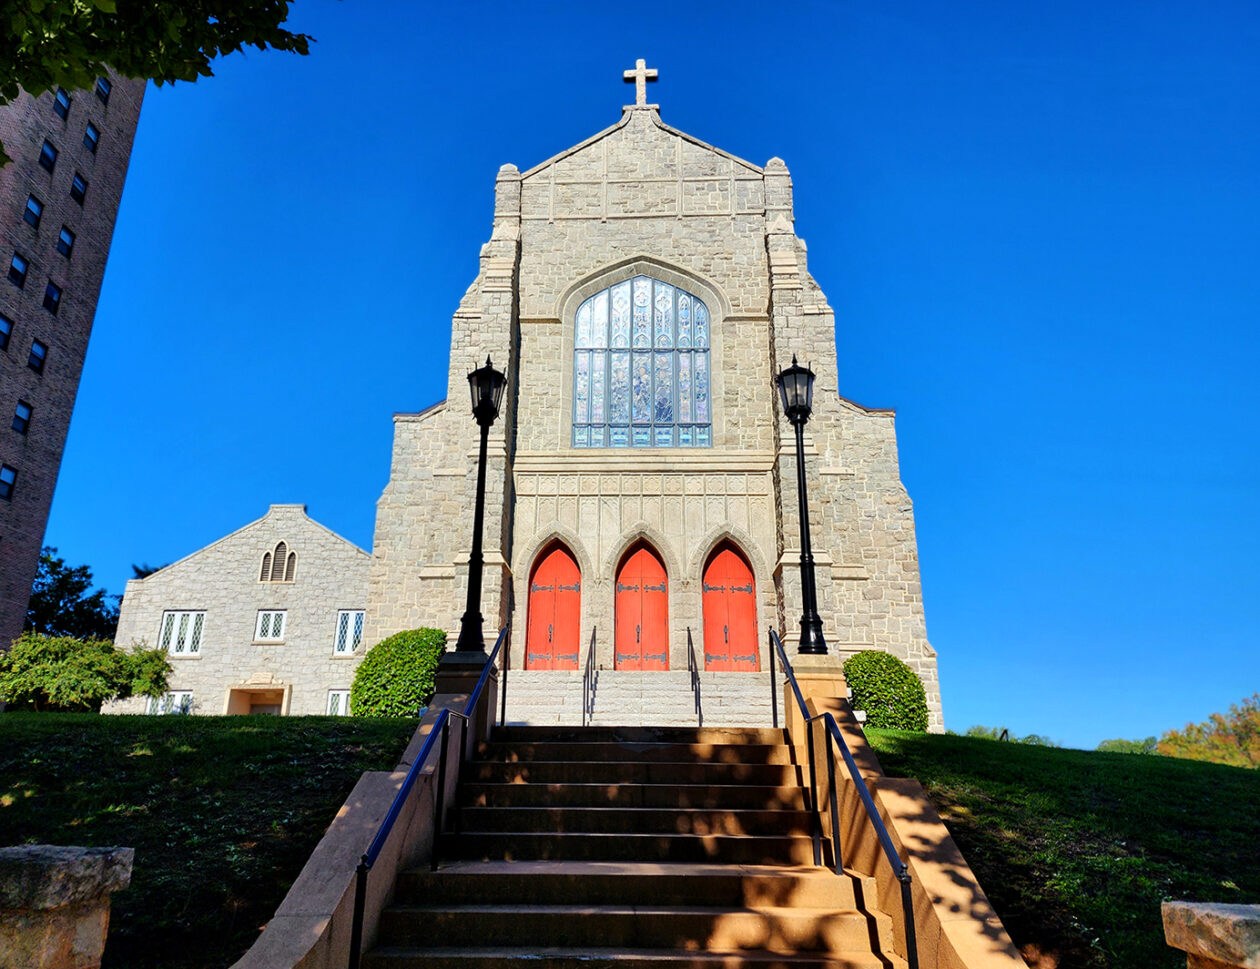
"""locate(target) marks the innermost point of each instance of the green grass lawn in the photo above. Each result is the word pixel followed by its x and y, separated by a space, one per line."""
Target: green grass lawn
pixel 1077 849
pixel 222 812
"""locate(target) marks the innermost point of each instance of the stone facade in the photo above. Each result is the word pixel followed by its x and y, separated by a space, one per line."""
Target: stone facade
pixel 642 198
pixel 35 456
pixel 232 669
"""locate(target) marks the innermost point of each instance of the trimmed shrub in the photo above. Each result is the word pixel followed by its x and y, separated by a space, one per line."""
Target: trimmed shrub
pixel 396 677
pixel 888 690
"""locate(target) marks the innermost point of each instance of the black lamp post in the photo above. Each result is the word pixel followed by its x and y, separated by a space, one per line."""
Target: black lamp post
pixel 796 389
pixel 486 385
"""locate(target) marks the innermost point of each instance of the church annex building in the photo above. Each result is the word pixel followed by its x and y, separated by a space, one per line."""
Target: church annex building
pixel 641 290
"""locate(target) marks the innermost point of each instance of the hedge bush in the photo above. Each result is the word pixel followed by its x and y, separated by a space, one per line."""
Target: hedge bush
pixel 888 690
pixel 397 675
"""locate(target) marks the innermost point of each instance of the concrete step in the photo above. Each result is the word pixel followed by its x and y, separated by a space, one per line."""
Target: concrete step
pixel 708 796
pixel 628 883
pixel 628 772
pixel 731 849
pixel 632 734
pixel 629 750
pixel 634 820
pixel 609 958
pixel 770 929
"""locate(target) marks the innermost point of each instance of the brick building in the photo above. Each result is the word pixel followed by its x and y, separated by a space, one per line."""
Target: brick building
pixel 58 202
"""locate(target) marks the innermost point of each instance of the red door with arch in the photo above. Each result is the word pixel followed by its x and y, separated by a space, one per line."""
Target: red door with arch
pixel 555 601
pixel 730 612
pixel 642 612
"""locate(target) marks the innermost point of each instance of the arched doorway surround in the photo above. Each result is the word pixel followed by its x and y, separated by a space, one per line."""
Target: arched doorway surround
pixel 554 611
pixel 641 611
pixel 730 612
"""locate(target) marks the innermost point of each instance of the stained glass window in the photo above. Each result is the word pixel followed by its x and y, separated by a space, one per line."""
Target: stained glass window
pixel 641 368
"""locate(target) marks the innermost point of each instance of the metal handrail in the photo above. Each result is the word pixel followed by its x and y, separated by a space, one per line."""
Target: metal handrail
pixel 693 667
pixel 832 732
pixel 440 728
pixel 588 684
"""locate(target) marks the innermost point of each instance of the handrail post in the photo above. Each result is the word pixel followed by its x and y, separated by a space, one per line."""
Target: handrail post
pixel 907 906
pixel 815 817
pixel 774 700
pixel 834 802
pixel 360 901
pixel 441 794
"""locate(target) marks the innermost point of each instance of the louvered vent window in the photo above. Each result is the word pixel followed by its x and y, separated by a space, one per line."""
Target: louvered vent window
pixel 279 565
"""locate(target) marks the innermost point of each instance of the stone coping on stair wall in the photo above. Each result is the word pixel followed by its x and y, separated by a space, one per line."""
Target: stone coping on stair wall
pixel 54 903
pixel 1214 935
pixel 311 928
pixel 955 926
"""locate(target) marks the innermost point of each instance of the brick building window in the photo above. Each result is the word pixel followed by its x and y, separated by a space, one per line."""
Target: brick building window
pixel 52 297
pixel 17 270
pixel 78 188
pixel 61 103
pixel 181 632
pixel 22 417
pixel 641 368
pixel 103 87
pixel 39 354
pixel 6 331
pixel 8 478
pixel 278 565
pixel 270 627
pixel 48 156
pixel 339 703
pixel 34 211
pixel 91 138
pixel 65 242
pixel 175 702
pixel 349 632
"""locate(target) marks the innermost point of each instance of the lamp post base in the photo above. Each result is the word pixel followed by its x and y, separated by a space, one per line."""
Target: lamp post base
pixel 812 641
pixel 472 639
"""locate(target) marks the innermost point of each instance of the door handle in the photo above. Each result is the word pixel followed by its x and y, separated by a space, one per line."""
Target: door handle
pixel 637 630
pixel 548 632
pixel 726 634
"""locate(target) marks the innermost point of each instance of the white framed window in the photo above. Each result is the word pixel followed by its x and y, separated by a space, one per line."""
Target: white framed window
pixel 181 632
pixel 339 703
pixel 349 632
pixel 270 628
pixel 177 701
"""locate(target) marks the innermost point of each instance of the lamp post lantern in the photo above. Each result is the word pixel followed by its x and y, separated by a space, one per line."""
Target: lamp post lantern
pixel 796 391
pixel 486 385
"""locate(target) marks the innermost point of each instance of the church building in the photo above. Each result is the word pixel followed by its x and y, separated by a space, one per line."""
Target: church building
pixel 641 290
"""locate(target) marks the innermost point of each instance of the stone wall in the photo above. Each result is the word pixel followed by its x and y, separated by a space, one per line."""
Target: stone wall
pixel 641 197
pixel 223 580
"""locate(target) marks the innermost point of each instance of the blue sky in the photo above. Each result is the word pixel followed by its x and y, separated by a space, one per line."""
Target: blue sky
pixel 1039 226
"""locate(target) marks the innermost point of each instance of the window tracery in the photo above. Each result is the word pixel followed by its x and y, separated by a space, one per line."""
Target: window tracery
pixel 641 368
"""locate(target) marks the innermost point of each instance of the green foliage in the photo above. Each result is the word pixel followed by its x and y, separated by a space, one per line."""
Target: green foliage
pixel 888 690
pixel 1002 733
pixel 1120 746
pixel 1076 849
pixel 63 603
pixel 223 813
pixel 69 43
pixel 64 674
pixel 396 677
pixel 1232 738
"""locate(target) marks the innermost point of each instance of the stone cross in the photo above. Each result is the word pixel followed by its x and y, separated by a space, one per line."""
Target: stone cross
pixel 639 78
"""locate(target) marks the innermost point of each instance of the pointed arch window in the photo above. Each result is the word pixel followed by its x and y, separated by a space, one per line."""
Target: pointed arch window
pixel 641 368
pixel 279 565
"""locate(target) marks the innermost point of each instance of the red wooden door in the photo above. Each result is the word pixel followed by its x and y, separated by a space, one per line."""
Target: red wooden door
pixel 642 607
pixel 555 602
pixel 730 613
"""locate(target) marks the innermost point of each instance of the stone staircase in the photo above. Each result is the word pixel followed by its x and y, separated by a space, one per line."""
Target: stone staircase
pixel 662 847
